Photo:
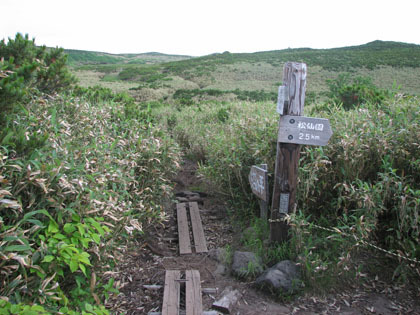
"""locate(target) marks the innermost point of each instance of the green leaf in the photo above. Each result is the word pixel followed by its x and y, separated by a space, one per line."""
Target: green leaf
pixel 60 236
pixel 53 227
pixel 48 258
pixel 16 248
pixel 84 258
pixel 74 265
pixel 69 228
pixel 88 307
pixel 96 238
pixel 81 228
pixel 15 309
pixel 97 226
pixel 82 268
pixel 36 222
pixel 85 242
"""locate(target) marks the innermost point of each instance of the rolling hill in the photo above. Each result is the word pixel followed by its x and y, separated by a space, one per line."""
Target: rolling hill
pixel 154 76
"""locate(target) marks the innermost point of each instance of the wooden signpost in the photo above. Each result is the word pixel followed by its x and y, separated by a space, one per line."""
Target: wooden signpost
pixel 258 179
pixel 294 130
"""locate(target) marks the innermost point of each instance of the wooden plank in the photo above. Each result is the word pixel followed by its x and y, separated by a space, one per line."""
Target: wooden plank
pixel 183 230
pixel 193 302
pixel 197 228
pixel 171 293
pixel 228 300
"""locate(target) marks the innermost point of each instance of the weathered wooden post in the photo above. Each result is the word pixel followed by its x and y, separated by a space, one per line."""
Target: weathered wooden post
pixel 294 130
pixel 291 101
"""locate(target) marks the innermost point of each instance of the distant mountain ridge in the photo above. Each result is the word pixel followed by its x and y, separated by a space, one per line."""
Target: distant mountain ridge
pixel 387 63
pixel 409 52
pixel 84 57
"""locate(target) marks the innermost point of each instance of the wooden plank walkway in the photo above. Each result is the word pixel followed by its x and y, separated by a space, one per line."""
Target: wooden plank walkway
pixel 171 293
pixel 197 228
pixel 193 302
pixel 183 230
pixel 199 238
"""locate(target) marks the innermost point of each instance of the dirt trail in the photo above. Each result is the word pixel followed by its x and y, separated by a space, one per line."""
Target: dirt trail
pixel 157 251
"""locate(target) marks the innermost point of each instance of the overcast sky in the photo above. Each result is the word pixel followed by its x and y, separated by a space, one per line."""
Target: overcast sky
pixel 201 27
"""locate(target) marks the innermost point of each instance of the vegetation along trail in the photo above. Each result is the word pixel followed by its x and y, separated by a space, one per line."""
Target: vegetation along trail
pixel 94 175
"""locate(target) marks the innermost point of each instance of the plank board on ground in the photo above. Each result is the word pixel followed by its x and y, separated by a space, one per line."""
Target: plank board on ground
pixel 183 230
pixel 171 293
pixel 193 305
pixel 197 229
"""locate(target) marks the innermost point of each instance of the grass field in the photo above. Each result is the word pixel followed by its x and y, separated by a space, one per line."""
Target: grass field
pixel 157 77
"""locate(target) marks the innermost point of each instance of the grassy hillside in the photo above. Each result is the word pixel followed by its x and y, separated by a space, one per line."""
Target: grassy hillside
pixel 389 64
pixel 83 57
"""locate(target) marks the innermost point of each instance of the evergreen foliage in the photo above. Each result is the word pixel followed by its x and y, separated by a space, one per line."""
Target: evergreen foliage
pixel 26 69
pixel 353 92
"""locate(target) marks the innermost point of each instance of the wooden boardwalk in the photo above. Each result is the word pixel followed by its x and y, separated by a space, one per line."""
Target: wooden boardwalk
pixel 199 239
pixel 172 293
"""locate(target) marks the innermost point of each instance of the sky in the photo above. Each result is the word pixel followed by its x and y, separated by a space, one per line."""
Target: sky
pixel 202 27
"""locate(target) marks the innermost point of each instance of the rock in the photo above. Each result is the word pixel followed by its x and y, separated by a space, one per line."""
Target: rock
pixel 221 270
pixel 218 254
pixel 197 199
pixel 249 231
pixel 202 194
pixel 187 194
pixel 182 199
pixel 285 276
pixel 246 264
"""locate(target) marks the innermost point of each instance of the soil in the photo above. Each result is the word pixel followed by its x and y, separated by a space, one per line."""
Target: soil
pixel 145 264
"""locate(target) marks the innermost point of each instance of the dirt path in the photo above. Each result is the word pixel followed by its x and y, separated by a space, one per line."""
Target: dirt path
pixel 157 251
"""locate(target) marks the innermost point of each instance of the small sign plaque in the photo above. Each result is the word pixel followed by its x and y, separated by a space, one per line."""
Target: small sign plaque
pixel 304 130
pixel 283 97
pixel 284 203
pixel 258 180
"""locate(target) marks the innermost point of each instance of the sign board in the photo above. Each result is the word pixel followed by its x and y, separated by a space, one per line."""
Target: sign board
pixel 284 203
pixel 258 180
pixel 304 130
pixel 282 98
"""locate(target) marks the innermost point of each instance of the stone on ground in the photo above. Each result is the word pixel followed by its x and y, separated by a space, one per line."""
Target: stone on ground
pixel 283 276
pixel 246 264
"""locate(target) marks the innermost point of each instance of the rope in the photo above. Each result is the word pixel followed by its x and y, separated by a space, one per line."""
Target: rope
pixel 361 241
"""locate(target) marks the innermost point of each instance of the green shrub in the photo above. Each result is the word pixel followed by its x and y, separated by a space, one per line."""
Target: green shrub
pixel 354 92
pixel 59 194
pixel 26 69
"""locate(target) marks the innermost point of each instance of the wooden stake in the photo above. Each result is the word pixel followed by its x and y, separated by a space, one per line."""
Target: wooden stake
pixel 287 158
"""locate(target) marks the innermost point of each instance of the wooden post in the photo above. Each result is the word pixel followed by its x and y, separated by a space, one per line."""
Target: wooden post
pixel 287 158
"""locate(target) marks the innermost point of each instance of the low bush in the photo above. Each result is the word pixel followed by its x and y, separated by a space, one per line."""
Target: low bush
pixel 73 166
pixel 26 68
pixel 354 92
pixel 256 96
